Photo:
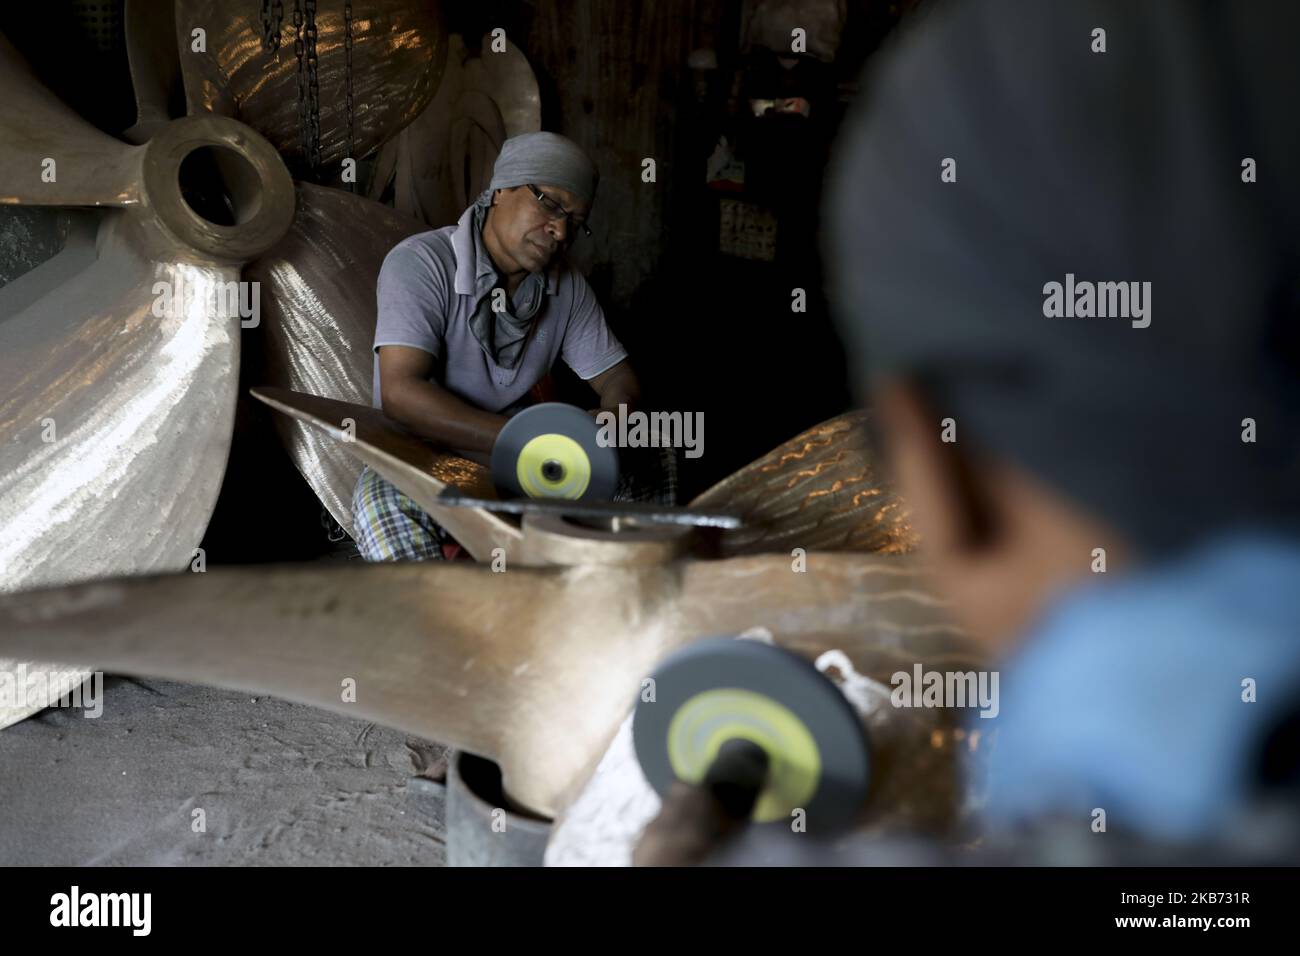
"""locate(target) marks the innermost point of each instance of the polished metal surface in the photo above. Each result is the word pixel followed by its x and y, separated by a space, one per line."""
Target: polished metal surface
pixel 633 512
pixel 90 168
pixel 318 321
pixel 114 423
pixel 412 464
pixel 820 491
pixel 119 356
pixel 50 156
pixel 440 163
pixel 534 668
pixel 398 55
pixel 551 539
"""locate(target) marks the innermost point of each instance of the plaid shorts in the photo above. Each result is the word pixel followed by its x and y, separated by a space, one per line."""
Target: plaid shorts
pixel 389 526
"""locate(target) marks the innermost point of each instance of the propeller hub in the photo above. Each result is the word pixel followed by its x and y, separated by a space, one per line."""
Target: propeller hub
pixel 252 173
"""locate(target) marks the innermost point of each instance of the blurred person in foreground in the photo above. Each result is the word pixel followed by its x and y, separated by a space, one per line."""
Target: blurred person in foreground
pixel 1065 252
pixel 1000 151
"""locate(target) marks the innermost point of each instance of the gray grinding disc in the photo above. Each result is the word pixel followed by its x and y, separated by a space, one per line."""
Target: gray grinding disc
pixel 722 688
pixel 550 451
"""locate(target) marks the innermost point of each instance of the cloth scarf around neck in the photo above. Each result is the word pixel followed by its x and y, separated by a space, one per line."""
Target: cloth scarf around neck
pixel 502 335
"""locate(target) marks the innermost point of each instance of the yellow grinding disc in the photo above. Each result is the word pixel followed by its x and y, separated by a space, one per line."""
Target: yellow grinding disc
pixel 553 466
pixel 708 720
pixel 721 691
pixel 554 451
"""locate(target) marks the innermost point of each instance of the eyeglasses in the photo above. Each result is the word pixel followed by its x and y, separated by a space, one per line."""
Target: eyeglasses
pixel 555 211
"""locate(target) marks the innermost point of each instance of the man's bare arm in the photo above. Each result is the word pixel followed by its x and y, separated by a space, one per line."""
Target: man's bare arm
pixel 428 409
pixel 617 385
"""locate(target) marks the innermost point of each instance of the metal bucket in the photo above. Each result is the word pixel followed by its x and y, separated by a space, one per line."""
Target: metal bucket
pixel 482 829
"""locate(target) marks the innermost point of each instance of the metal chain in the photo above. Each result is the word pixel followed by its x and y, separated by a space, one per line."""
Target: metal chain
pixel 313 89
pixel 298 49
pixel 347 47
pixel 272 21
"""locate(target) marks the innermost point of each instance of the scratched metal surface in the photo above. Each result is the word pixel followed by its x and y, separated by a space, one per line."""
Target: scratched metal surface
pixel 399 52
pixel 374 434
pixel 116 403
pixel 415 466
pixel 115 423
pixel 318 322
pixel 821 490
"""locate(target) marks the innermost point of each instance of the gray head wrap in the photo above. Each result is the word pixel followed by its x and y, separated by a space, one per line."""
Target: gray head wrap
pixel 547 158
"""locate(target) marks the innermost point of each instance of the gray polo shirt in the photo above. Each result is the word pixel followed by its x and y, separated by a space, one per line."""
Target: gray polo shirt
pixel 426 296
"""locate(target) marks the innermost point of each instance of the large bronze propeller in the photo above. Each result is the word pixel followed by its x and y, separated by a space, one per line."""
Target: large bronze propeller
pixel 118 404
pixel 534 668
pixel 398 55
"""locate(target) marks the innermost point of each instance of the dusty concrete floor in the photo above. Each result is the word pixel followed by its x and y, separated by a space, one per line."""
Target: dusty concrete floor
pixel 279 783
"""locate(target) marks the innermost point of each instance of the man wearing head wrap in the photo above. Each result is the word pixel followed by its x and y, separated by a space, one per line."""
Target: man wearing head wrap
pixel 1109 497
pixel 473 316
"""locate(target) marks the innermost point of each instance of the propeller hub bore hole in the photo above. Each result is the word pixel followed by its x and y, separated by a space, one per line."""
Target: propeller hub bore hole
pixel 219 185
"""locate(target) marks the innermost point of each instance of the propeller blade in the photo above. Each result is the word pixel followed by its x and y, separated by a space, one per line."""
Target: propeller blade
pixel 399 50
pixel 118 406
pixel 416 467
pixel 440 163
pixel 150 28
pixel 821 490
pixel 115 422
pixel 534 668
pixel 403 634
pixel 50 156
pixel 318 321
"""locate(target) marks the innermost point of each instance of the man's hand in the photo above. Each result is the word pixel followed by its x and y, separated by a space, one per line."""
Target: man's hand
pixel 687 831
